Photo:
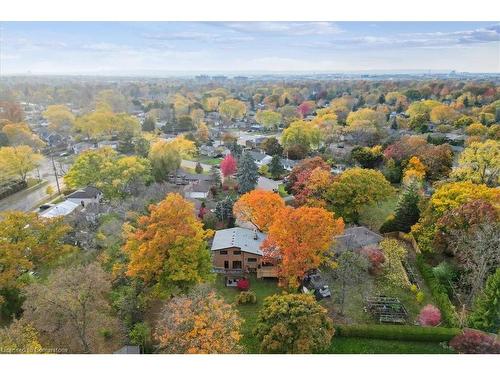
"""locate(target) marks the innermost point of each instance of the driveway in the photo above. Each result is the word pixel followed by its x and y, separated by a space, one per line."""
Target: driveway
pixel 265 183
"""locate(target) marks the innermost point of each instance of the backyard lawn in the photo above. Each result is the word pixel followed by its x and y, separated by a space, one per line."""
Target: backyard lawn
pixel 262 289
pixel 206 160
pixel 357 345
pixel 374 215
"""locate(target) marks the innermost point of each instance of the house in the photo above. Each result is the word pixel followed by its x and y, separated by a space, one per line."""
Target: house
pixel 129 349
pixel 355 238
pixel 112 144
pixel 85 196
pixel 236 251
pixel 60 209
pixel 288 164
pixel 197 189
pixel 80 147
pixel 260 158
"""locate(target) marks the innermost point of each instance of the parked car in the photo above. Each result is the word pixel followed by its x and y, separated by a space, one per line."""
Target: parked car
pixel 314 283
pixel 46 206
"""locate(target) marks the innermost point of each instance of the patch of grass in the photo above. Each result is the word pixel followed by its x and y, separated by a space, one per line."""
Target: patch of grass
pixel 374 215
pixel 282 191
pixel 206 160
pixel 355 345
pixel 262 288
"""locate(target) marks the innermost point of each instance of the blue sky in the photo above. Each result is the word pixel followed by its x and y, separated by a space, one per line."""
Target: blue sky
pixel 163 47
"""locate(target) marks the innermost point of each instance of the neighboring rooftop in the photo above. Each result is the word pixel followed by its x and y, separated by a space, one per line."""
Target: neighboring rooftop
pixel 241 238
pixel 356 238
pixel 86 193
pixel 60 209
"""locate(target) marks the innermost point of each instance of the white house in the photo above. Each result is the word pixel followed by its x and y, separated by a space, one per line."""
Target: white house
pixel 260 158
pixel 60 209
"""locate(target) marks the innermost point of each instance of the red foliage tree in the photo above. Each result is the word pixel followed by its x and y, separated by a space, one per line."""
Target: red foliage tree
pixel 306 165
pixel 429 316
pixel 304 109
pixel 375 257
pixel 243 284
pixel 475 342
pixel 228 165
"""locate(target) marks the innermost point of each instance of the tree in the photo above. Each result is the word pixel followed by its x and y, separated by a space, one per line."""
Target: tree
pixel 480 163
pixel 70 310
pixel 224 210
pixel 355 188
pixel 149 124
pixel 142 147
pixel 198 168
pixel 202 133
pixel 18 161
pixel 367 157
pixel 300 238
pixel 199 323
pixel 478 254
pixel 301 133
pixel 232 109
pixel 305 108
pixel 429 316
pixel 272 146
pixel 311 187
pixel 184 123
pixel 289 114
pixel 486 310
pixel 373 118
pixel 305 165
pixel 60 118
pixel 165 159
pixel 414 172
pixel 351 271
pixel 168 246
pixel 276 167
pixel 20 338
pixel 248 173
pixel 407 211
pixel 269 119
pixel 228 166
pixel 394 253
pixel 107 171
pixel 11 111
pixel 293 323
pixel 258 207
pixel 475 342
pixel 27 243
pixel 443 114
pixel 375 256
pixel 21 134
pixel 215 177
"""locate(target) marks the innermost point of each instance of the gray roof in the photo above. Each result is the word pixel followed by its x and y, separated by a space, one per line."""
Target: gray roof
pixel 89 192
pixel 129 349
pixel 356 238
pixel 257 156
pixel 241 238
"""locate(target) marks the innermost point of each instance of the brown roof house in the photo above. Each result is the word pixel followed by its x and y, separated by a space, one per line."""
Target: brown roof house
pixel 236 252
pixel 356 238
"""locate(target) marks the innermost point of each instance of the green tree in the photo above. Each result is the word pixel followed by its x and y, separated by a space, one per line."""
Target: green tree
pixel 407 211
pixel 485 314
pixel 247 174
pixel 165 159
pixel 149 124
pixel 352 269
pixel 269 119
pixel 275 167
pixel 355 188
pixel 293 323
pixel 272 146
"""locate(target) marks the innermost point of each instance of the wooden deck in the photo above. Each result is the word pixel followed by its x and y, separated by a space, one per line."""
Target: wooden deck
pixel 267 271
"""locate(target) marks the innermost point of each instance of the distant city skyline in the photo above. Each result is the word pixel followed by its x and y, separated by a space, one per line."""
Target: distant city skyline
pixel 156 48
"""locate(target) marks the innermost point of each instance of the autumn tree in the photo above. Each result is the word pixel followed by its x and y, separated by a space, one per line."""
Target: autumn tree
pixel 248 173
pixel 202 132
pixel 228 166
pixel 306 165
pixel 18 161
pixel 367 157
pixel 20 337
pixel 393 270
pixel 258 207
pixel 407 211
pixel 20 134
pixel 168 247
pixel 107 171
pixel 232 109
pixel 112 99
pixel 414 172
pixel 480 163
pixel 149 124
pixel 475 342
pixel 70 310
pixel 293 323
pixel 198 323
pixel 372 118
pixel 429 316
pixel 165 159
pixel 300 238
pixel 269 119
pixel 272 146
pixel 301 133
pixel 355 188
pixel 443 114
pixel 11 111
pixel 60 118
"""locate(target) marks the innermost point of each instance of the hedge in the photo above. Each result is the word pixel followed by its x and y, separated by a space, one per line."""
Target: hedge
pixel 402 333
pixel 439 293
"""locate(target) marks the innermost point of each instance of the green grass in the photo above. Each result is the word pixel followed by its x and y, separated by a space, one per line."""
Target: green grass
pixel 282 192
pixel 355 345
pixel 262 289
pixel 206 160
pixel 374 215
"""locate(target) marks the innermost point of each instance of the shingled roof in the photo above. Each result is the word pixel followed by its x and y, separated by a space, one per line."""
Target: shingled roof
pixel 246 240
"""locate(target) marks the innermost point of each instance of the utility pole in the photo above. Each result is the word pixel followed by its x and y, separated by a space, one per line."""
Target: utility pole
pixel 55 174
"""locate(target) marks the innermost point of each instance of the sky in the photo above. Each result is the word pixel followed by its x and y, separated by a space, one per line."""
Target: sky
pixel 153 48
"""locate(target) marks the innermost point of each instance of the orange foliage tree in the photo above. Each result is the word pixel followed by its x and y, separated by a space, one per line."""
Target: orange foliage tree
pixel 199 323
pixel 168 247
pixel 258 207
pixel 300 239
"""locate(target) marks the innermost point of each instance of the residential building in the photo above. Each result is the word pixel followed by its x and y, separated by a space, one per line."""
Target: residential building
pixel 356 238
pixel 60 209
pixel 85 196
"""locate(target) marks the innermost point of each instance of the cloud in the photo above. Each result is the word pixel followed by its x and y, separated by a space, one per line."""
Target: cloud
pixel 284 28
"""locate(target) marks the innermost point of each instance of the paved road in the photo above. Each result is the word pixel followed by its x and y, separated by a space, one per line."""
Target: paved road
pixel 29 200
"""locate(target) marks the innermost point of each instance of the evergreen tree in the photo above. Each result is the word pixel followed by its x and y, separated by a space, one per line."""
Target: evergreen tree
pixel 275 167
pixel 248 173
pixel 486 311
pixel 407 212
pixel 381 99
pixel 198 168
pixel 224 210
pixel 215 177
pixel 149 124
pixel 497 115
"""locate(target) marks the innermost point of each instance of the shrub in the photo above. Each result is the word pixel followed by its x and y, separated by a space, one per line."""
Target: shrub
pixel 438 292
pixel 243 284
pixel 429 316
pixel 401 333
pixel 420 296
pixel 475 342
pixel 246 298
pixel 376 258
